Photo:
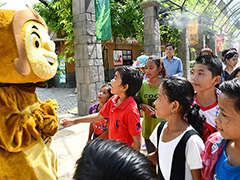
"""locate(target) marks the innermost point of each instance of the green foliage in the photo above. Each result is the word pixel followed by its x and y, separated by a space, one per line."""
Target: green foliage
pixel 170 34
pixel 2 4
pixel 127 19
pixel 64 12
pixel 58 16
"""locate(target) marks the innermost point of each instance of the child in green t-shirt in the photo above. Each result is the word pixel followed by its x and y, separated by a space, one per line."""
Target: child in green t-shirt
pixel 155 72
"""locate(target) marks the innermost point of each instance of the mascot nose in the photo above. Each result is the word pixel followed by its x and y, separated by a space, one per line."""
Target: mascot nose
pixel 49 45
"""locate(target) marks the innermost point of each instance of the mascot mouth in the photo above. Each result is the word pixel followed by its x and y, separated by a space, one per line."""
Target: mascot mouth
pixel 50 60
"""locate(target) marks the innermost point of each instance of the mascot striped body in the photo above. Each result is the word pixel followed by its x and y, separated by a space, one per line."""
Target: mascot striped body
pixel 26 124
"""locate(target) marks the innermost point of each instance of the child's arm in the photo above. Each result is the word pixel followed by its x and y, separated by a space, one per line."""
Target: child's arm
pixel 196 174
pixel 137 142
pixel 89 118
pixel 149 111
pixel 103 135
pixel 153 157
pixel 90 131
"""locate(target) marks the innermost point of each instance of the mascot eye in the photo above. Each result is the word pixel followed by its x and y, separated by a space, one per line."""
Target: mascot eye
pixel 35 40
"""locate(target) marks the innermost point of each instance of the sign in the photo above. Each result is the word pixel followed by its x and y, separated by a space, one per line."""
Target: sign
pixel 220 41
pixel 193 33
pixel 62 71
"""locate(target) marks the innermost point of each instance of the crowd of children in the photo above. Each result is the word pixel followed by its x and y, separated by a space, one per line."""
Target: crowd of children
pixel 179 116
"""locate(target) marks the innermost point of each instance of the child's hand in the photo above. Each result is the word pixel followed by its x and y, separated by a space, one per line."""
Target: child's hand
pixel 66 122
pixel 149 111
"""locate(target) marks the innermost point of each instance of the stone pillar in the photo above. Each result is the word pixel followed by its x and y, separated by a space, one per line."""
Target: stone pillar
pixel 88 55
pixel 201 38
pixel 183 52
pixel 152 43
pixel 213 44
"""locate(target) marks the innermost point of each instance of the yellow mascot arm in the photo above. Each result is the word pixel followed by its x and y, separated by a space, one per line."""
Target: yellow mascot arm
pixel 20 130
pixel 46 117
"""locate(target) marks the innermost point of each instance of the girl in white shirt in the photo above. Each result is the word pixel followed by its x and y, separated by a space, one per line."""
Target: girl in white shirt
pixel 175 97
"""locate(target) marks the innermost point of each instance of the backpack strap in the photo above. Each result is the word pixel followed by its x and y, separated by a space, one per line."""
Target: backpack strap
pixel 160 128
pixel 178 162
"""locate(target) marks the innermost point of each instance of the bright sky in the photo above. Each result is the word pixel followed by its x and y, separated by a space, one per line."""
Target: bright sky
pixel 17 4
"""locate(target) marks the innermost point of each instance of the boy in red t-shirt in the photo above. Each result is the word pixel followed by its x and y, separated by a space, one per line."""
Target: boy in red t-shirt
pixel 205 75
pixel 121 110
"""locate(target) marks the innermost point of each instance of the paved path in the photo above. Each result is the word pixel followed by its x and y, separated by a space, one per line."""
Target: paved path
pixel 65 97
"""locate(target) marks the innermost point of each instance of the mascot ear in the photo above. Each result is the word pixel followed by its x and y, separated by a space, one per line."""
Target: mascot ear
pixel 19 19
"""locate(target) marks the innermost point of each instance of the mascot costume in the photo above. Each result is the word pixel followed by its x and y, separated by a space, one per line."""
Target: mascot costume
pixel 26 124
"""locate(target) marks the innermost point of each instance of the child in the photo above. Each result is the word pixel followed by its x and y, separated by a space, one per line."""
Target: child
pixel 221 157
pixel 121 109
pixel 236 73
pixel 155 71
pixel 109 159
pixel 231 59
pixel 140 63
pixel 205 74
pixel 174 100
pixel 99 129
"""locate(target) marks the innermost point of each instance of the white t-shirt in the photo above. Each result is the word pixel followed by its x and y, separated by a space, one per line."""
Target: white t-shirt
pixel 194 148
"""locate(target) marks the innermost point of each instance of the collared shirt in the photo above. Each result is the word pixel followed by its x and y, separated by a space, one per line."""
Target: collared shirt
pixel 210 114
pixel 173 67
pixel 123 120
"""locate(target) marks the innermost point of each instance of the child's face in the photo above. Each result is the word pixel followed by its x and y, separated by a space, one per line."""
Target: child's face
pixel 201 78
pixel 237 75
pixel 103 95
pixel 116 83
pixel 228 120
pixel 151 69
pixel 162 105
pixel 232 62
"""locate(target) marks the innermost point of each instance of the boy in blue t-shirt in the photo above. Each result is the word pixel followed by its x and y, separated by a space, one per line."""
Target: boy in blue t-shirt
pixel 221 157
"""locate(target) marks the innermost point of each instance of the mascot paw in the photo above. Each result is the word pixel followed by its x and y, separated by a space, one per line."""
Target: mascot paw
pixel 49 107
pixel 47 119
pixel 50 128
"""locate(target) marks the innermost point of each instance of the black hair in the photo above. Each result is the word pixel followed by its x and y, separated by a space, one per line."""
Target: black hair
pixel 181 90
pixel 232 90
pixel 233 49
pixel 108 86
pixel 234 73
pixel 212 62
pixel 131 76
pixel 159 62
pixel 224 52
pixel 170 44
pixel 230 54
pixel 104 159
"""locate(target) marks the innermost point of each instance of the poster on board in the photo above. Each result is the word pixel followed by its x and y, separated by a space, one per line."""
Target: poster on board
pixel 117 57
pixel 62 71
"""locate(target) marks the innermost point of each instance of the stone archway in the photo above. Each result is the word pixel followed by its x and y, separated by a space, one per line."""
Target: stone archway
pixel 88 55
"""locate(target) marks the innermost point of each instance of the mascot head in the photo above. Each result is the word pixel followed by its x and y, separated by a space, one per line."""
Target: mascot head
pixel 26 51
